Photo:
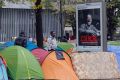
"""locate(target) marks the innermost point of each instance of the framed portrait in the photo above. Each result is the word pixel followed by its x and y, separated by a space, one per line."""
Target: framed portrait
pixel 91 26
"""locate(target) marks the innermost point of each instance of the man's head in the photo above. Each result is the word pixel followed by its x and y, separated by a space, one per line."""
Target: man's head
pixel 22 34
pixel 89 19
pixel 52 33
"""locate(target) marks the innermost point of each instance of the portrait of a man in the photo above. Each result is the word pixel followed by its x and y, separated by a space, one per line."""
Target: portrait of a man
pixel 89 27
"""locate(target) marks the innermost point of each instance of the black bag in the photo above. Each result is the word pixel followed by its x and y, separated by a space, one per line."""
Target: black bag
pixel 21 41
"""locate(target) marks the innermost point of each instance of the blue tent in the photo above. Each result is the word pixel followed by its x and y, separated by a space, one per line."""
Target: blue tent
pixel 116 50
pixel 30 45
pixel 9 43
pixel 3 73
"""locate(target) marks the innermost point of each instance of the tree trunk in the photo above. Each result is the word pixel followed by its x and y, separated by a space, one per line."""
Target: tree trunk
pixel 39 32
pixel 61 18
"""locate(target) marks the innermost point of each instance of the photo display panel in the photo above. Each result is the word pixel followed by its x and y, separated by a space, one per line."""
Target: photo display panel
pixel 90 31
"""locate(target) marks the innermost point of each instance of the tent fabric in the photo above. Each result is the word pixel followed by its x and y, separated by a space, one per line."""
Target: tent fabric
pixel 40 54
pixel 58 69
pixel 31 45
pixel 69 51
pixel 3 72
pixel 65 46
pixel 9 43
pixel 21 63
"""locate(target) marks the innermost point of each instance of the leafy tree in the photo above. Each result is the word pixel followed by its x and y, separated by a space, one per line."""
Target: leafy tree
pixel 1 3
pixel 70 11
pixel 113 7
pixel 47 4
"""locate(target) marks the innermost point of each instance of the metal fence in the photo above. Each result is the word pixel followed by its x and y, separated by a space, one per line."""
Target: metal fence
pixel 51 22
pixel 12 21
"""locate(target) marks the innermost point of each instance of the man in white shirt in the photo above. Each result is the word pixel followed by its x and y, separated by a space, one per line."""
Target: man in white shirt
pixel 52 43
pixel 88 27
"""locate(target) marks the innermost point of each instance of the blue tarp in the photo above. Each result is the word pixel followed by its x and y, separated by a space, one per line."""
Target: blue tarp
pixel 116 50
pixel 3 73
pixel 30 45
pixel 9 43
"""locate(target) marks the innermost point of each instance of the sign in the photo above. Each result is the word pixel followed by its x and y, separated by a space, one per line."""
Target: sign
pixel 91 24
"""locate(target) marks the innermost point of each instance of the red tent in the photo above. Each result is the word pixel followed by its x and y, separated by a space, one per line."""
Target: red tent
pixel 40 54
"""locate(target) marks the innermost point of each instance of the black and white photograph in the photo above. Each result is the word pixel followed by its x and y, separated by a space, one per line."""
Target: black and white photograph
pixel 89 27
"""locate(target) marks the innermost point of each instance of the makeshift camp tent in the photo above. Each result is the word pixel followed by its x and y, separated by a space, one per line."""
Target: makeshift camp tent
pixel 21 64
pixel 40 54
pixel 9 43
pixel 3 73
pixel 58 69
pixel 67 47
pixel 30 45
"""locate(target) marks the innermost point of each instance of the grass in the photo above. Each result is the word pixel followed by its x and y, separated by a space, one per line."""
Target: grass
pixel 115 43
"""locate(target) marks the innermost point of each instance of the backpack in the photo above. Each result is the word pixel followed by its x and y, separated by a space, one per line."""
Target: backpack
pixel 21 41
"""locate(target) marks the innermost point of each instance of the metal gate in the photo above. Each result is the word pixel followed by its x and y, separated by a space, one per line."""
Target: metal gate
pixel 12 21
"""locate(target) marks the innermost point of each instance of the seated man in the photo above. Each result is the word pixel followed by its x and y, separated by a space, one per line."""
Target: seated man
pixel 21 40
pixel 52 43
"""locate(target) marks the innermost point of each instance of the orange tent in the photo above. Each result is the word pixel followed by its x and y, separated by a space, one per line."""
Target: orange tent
pixel 58 69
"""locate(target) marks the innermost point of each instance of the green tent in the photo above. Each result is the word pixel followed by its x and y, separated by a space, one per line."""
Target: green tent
pixel 64 46
pixel 21 64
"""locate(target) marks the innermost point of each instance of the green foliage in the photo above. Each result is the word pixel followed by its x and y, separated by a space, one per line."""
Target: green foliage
pixel 47 4
pixel 112 3
pixel 14 1
pixel 113 10
pixel 67 5
pixel 1 3
pixel 115 43
pixel 70 6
